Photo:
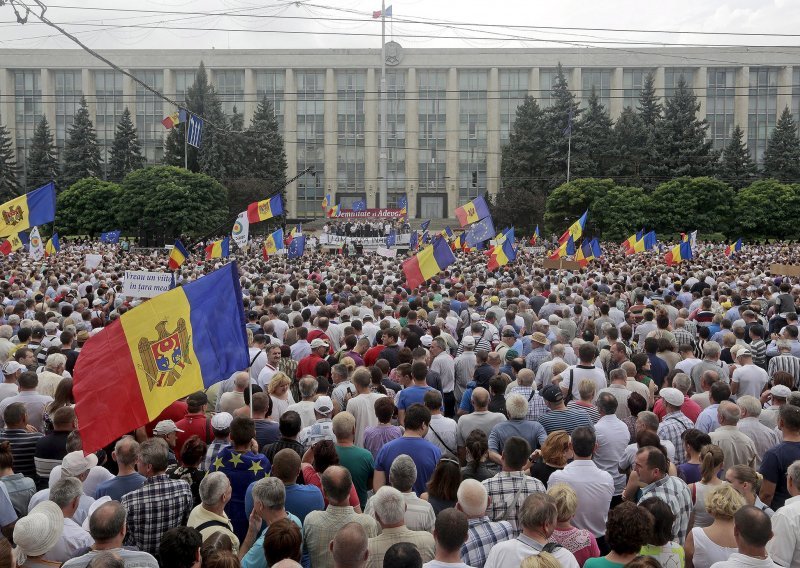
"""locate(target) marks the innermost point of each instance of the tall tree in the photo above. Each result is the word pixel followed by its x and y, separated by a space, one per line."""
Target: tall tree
pixel 649 107
pixel 9 184
pixel 126 152
pixel 595 142
pixel 42 164
pixel 735 166
pixel 681 143
pixel 782 156
pixel 264 152
pixel 198 97
pixel 81 153
pixel 238 165
pixel 562 113
pixel 521 198
pixel 216 152
pixel 629 148
pixel 650 111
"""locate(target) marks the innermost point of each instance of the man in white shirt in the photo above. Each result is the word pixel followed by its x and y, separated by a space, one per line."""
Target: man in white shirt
pixel 11 372
pixel 763 437
pixel 538 520
pixel 595 487
pixel 585 369
pixel 441 430
pixel 748 378
pixel 752 530
pixel 612 439
pixel 271 366
pixel 784 548
pixel 450 534
pixel 362 406
pixel 442 363
pixel 67 493
pixel 258 357
pixel 305 408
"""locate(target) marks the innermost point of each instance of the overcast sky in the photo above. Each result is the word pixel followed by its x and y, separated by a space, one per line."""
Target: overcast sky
pixel 316 22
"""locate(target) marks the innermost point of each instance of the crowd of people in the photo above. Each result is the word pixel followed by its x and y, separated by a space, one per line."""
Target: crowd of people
pixel 630 414
pixel 366 227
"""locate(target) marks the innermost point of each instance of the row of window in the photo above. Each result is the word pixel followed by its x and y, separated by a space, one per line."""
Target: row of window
pixel 514 86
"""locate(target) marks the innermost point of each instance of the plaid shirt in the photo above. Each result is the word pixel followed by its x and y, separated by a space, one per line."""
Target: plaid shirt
pixel 536 357
pixel 536 405
pixel 161 504
pixel 672 426
pixel 482 536
pixel 675 493
pixel 508 490
pixel 683 336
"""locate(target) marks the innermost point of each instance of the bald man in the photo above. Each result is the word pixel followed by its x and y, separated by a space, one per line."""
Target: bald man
pixel 349 547
pixel 478 419
pixel 483 533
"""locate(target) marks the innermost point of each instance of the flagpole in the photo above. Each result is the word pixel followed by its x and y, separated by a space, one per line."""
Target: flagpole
pixel 186 144
pixel 382 155
pixel 569 150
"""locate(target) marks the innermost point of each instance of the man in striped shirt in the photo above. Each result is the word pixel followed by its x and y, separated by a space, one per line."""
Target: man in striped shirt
pixel 785 362
pixel 22 439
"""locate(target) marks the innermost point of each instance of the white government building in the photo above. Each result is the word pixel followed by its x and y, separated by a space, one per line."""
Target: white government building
pixel 450 110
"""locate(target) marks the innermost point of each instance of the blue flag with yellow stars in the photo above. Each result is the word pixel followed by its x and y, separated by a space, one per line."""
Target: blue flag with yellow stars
pixel 242 469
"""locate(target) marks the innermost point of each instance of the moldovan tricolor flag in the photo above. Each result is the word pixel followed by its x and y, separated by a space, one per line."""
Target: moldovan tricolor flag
pixel 473 211
pixel 219 249
pixel 263 210
pixel 678 254
pixel 428 263
pixel 177 256
pixel 9 245
pixel 34 208
pixel 735 247
pixel 52 246
pixel 180 342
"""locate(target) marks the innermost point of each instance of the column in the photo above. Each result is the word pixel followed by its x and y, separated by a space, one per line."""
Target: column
pixel 129 94
pixel 169 86
pixel 493 132
pixel 742 98
pixel 700 84
pixel 576 84
pixel 7 114
pixel 87 88
pixel 659 82
pixel 371 138
pixel 451 125
pixel 331 133
pixel 290 138
pixel 534 84
pixel 784 89
pixel 250 98
pixel 616 103
pixel 412 141
pixel 48 98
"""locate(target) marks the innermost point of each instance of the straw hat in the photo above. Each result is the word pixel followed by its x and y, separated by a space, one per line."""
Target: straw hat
pixel 39 531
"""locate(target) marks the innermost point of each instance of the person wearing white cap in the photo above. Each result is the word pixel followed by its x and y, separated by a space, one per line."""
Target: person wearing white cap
pixel 675 422
pixel 11 372
pixel 308 364
pixel 221 426
pixel 74 464
pixel 167 431
pixel 37 533
pixel 322 429
pixel 67 494
pixel 776 397
pixel 748 378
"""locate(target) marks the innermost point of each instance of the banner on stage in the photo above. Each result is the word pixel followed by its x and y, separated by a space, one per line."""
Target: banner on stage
pixel 143 284
pixel 327 239
pixel 365 213
pixel 387 252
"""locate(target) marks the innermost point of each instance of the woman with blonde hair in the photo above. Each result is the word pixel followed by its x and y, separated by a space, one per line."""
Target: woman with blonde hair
pixel 715 543
pixel 587 390
pixel 350 363
pixel 278 390
pixel 541 560
pixel 580 542
pixel 711 459
pixel 747 482
pixel 553 456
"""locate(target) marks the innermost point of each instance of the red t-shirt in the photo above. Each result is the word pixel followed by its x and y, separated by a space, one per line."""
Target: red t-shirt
pixel 372 355
pixel 308 366
pixel 175 412
pixel 193 424
pixel 311 477
pixel 690 409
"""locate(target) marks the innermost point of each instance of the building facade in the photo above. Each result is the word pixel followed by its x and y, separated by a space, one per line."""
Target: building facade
pixel 449 110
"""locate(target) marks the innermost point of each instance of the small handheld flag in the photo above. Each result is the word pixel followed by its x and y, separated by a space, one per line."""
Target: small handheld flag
pixel 218 249
pixel 298 247
pixel 35 246
pixel 535 237
pixel 177 256
pixel 110 236
pixel 52 246
pixel 241 230
pixel 273 243
pixel 735 247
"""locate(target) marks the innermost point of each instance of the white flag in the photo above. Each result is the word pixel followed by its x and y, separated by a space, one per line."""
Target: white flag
pixel 241 230
pixel 36 247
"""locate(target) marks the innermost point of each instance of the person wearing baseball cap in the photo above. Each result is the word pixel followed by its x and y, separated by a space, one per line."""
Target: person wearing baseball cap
pixel 168 431
pixel 560 417
pixel 11 372
pixel 308 364
pixel 221 427
pixel 748 378
pixel 322 429
pixel 778 396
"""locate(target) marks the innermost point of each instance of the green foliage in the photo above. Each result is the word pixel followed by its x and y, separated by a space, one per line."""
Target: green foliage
pixel 787 212
pixel 594 145
pixel 782 156
pixel 165 196
pixel 264 153
pixel 84 207
pixel 556 119
pixel 42 166
pixel 649 107
pixel 756 207
pixel 126 152
pixel 81 153
pixel 568 201
pixel 521 198
pixel 687 203
pixel 629 147
pixel 9 185
pixel 735 165
pixel 620 212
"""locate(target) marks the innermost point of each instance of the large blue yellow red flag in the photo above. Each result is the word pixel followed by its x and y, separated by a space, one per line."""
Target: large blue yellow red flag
pixel 679 253
pixel 180 342
pixel 10 244
pixel 429 262
pixel 735 247
pixel 36 207
pixel 273 243
pixel 52 246
pixel 218 249
pixel 504 253
pixel 327 202
pixel 575 230
pixel 473 211
pixel 263 210
pixel 177 256
pixel 567 248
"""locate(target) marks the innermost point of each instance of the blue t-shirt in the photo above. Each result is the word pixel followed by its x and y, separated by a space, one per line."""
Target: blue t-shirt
pixel 242 469
pixel 774 466
pixel 411 395
pixel 119 486
pixel 300 500
pixel 255 556
pixel 424 454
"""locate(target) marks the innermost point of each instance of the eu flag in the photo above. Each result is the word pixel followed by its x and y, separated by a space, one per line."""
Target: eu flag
pixel 359 205
pixel 110 236
pixel 297 247
pixel 481 231
pixel 391 239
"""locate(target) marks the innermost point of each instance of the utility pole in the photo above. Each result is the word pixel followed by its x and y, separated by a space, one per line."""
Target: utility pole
pixel 383 159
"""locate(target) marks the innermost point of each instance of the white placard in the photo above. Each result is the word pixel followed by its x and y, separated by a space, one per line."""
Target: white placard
pixel 93 261
pixel 143 284
pixel 386 252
